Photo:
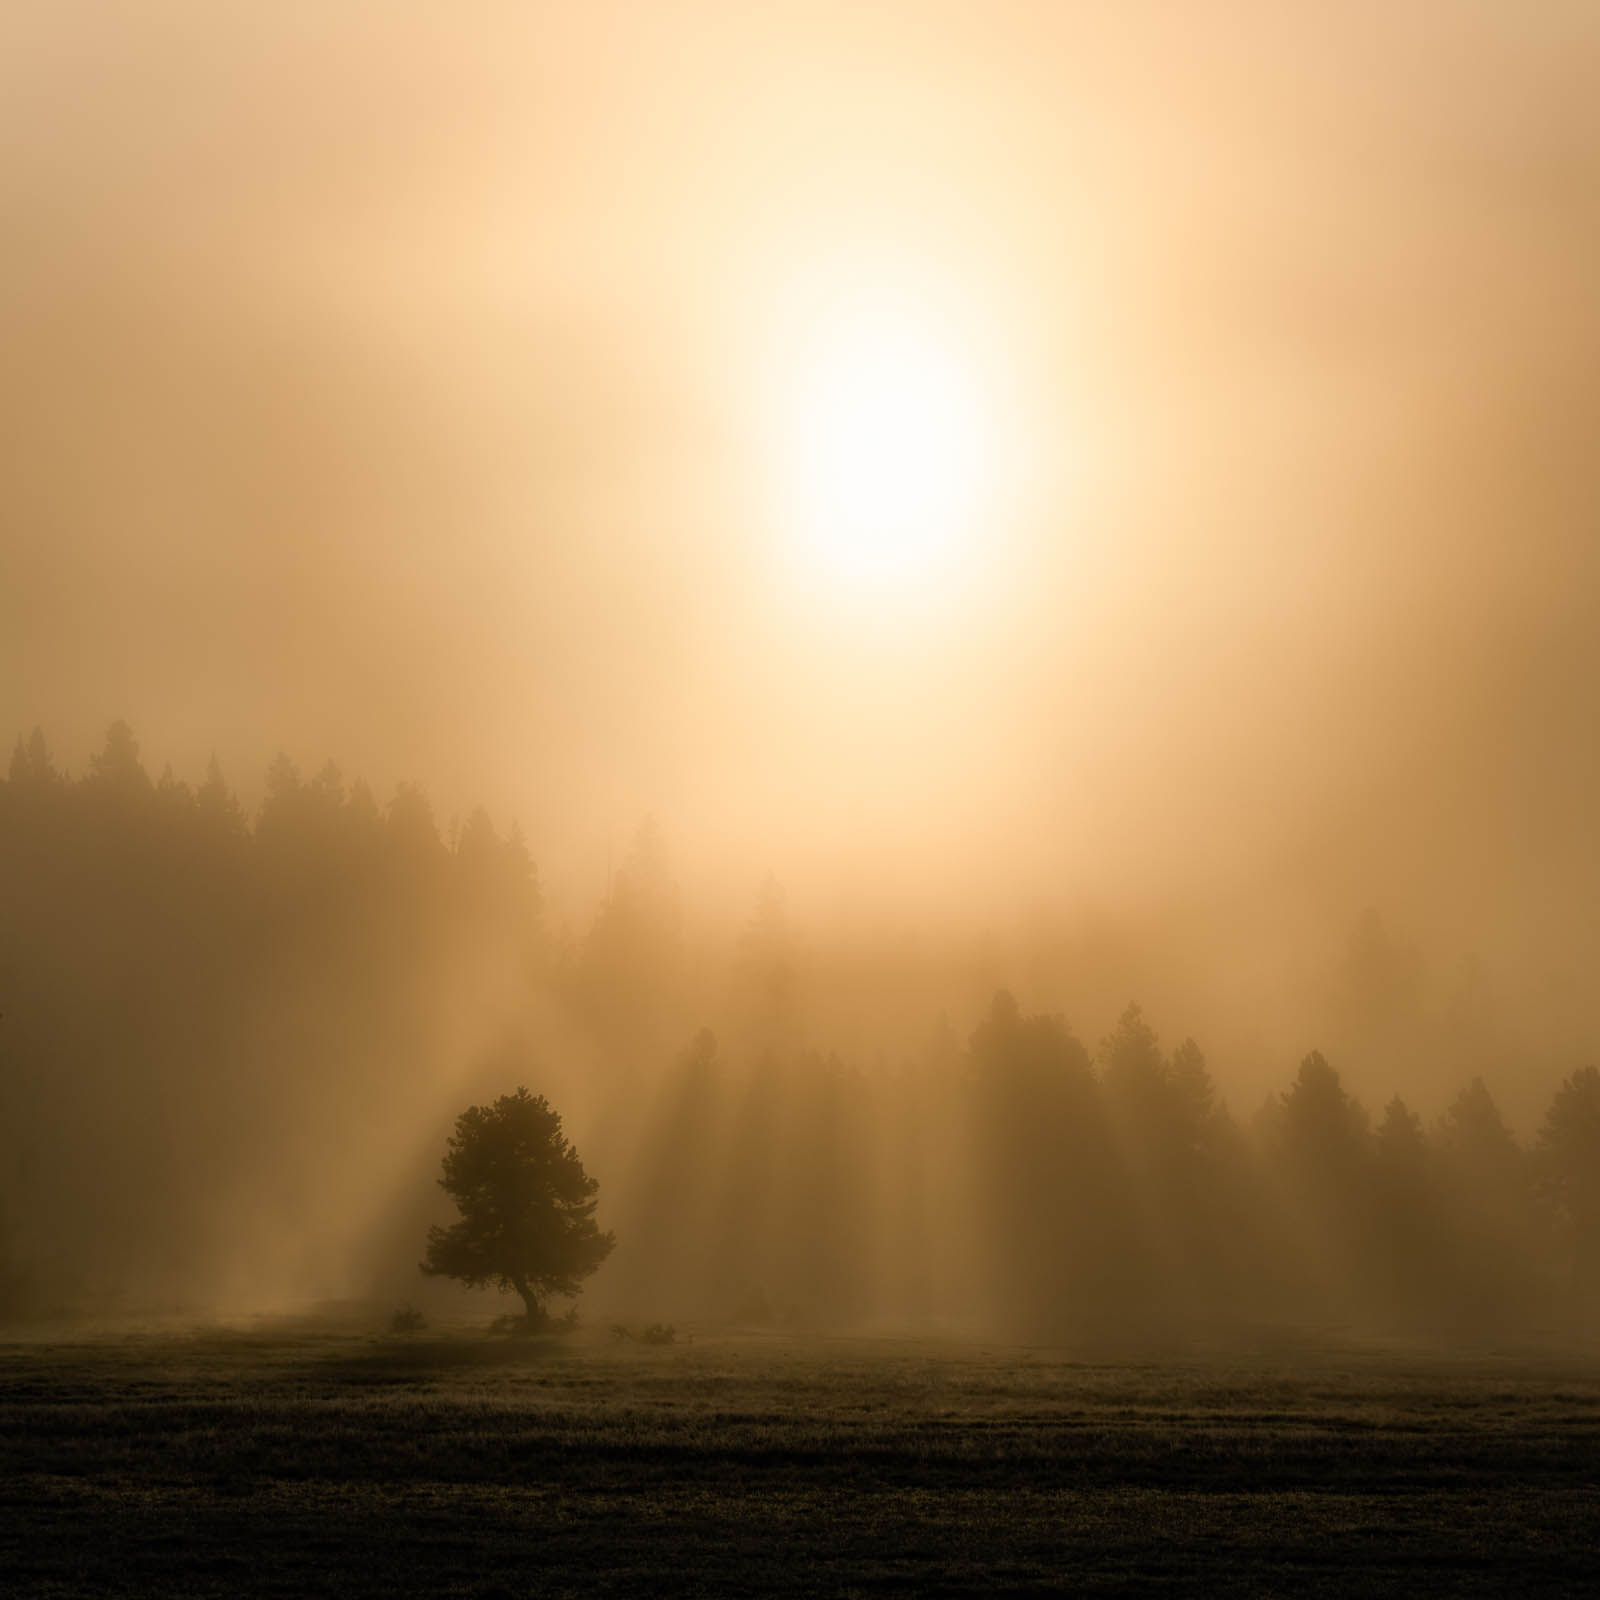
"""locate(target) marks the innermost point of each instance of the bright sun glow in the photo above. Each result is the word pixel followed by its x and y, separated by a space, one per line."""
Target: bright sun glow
pixel 885 449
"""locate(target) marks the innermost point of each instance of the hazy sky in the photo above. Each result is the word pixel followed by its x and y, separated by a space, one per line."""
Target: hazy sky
pixel 404 385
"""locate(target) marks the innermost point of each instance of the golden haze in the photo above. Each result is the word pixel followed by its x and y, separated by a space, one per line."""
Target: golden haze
pixel 466 398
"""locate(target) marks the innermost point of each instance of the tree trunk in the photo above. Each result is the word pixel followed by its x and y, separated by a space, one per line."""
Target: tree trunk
pixel 535 1311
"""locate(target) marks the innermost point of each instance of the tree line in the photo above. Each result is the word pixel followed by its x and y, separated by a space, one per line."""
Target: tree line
pixel 228 1044
pixel 1126 1169
pixel 1030 1181
pixel 218 1032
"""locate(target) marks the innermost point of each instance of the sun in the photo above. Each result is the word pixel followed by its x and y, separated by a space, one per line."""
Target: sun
pixel 885 452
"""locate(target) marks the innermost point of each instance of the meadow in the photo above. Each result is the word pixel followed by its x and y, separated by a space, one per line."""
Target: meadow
pixel 295 1459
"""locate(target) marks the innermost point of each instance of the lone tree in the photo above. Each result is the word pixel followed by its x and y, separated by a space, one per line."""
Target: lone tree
pixel 527 1206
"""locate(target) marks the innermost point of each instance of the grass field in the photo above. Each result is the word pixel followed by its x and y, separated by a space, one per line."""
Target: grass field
pixel 296 1461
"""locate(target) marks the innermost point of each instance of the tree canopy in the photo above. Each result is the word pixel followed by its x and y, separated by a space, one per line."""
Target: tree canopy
pixel 527 1206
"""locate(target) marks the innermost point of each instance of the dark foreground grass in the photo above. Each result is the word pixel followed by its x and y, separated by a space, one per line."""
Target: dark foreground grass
pixel 304 1463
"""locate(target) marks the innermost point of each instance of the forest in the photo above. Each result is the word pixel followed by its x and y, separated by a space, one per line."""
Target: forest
pixel 231 1046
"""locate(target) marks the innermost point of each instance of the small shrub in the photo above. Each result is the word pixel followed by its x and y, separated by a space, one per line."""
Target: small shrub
pixel 407 1319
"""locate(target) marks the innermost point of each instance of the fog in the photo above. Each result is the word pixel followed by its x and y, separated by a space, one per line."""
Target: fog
pixel 417 393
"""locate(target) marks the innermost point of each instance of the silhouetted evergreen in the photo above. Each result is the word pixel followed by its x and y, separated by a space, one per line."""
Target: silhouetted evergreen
pixel 527 1206
pixel 630 964
pixel 1408 1271
pixel 1058 1248
pixel 1486 1189
pixel 1568 1156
